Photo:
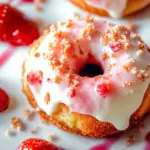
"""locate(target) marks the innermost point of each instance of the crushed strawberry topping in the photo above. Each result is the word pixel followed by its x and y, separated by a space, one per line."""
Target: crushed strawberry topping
pixel 28 1
pixel 37 144
pixel 71 93
pixel 48 79
pixel 35 77
pixel 115 46
pixel 4 100
pixel 104 86
pixel 15 28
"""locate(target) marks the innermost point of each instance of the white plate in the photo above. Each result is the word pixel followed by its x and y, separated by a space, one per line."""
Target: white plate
pixel 10 80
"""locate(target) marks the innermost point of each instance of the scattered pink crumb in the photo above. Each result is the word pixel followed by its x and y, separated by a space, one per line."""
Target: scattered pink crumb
pixel 28 114
pixel 52 138
pixel 9 133
pixel 132 27
pixel 76 15
pixel 39 4
pixel 34 131
pixel 130 140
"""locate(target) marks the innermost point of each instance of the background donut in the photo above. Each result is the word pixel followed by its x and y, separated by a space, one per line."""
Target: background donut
pixel 132 6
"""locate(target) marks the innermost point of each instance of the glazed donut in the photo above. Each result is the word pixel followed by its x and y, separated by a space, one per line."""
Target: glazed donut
pixel 113 8
pixel 84 101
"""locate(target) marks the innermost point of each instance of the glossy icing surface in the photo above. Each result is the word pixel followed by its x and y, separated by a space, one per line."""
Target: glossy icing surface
pixel 67 47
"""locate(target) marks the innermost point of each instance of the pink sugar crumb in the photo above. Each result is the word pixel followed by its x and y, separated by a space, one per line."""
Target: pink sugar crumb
pixel 34 77
pixel 115 46
pixel 103 87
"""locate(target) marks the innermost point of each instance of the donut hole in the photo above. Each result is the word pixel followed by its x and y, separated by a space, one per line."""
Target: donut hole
pixel 91 70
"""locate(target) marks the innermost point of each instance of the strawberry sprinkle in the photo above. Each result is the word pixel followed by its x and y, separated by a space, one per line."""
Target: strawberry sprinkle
pixel 103 87
pixel 35 77
pixel 71 93
pixel 115 46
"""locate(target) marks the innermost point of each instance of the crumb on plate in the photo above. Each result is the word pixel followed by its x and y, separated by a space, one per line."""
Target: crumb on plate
pixel 28 114
pixel 17 123
pixel 9 133
pixel 130 140
pixel 52 138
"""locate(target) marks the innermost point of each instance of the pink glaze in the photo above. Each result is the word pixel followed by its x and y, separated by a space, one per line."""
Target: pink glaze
pixel 6 55
pixel 147 139
pixel 106 145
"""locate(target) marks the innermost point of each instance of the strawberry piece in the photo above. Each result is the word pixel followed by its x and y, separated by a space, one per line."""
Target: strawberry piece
pixel 28 1
pixel 104 86
pixel 37 144
pixel 35 77
pixel 115 46
pixel 15 28
pixel 4 100
pixel 71 93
